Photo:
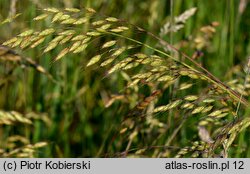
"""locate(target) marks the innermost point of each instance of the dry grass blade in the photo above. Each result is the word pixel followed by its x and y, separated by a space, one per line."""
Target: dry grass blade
pixel 178 22
pixel 204 135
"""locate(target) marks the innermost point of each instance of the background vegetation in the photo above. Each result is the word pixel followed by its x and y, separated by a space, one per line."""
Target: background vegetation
pixel 55 106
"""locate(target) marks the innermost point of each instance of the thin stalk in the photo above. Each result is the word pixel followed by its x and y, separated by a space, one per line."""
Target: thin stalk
pixel 245 82
pixel 171 22
pixel 231 29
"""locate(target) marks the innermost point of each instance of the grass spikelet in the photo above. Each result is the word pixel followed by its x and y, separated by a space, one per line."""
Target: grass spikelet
pixel 142 75
pixel 208 100
pixel 81 21
pixel 198 110
pixel 12 117
pixel 112 19
pixel 191 98
pixel 93 33
pixel 215 113
pixel 126 60
pixel 20 118
pixel 118 52
pixel 160 69
pixel 10 41
pixel 130 65
pixel 161 109
pixel 86 40
pixel 47 32
pixel 66 39
pixel 168 106
pixel 25 43
pixel 182 152
pixel 57 38
pixel 90 10
pixel 62 53
pixel 175 104
pixel 186 15
pixel 41 17
pixel 143 104
pixel 57 17
pixel 140 55
pixel 73 10
pixel 207 109
pixel 222 115
pixel 40 144
pixel 75 45
pixel 184 86
pixel 187 106
pixel 67 32
pixel 94 60
pixel 156 62
pixel 104 27
pixel 64 17
pixel 123 28
pixel 165 78
pixel 184 72
pixel 35 37
pixel 78 37
pixel 115 68
pixel 133 83
pixel 17 42
pixel 69 21
pixel 38 42
pixel 51 46
pixel 80 48
pixel 96 23
pixel 107 62
pixel 244 124
pixel 227 143
pixel 178 22
pixel 52 10
pixel 10 19
pixel 147 61
pixel 109 44
pixel 41 69
pixel 26 33
pixel 119 29
pixel 193 76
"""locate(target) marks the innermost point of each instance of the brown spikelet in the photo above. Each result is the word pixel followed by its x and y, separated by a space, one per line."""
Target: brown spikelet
pixel 147 100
